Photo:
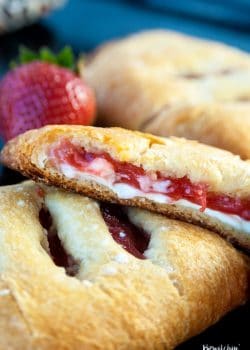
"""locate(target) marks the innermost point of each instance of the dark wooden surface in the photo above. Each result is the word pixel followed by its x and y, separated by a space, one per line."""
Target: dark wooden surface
pixel 85 24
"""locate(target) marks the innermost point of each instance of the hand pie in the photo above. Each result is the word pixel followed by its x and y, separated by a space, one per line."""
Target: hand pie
pixel 66 283
pixel 182 179
pixel 167 83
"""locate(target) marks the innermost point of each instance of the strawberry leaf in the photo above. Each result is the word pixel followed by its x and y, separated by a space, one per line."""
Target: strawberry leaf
pixel 26 55
pixel 47 56
pixel 65 58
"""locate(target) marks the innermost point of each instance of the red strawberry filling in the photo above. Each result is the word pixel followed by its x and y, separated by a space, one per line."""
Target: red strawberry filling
pixel 104 166
pixel 58 253
pixel 130 237
pixel 133 239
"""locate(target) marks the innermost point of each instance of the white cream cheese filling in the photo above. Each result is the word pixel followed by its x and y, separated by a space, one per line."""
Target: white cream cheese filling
pixel 125 191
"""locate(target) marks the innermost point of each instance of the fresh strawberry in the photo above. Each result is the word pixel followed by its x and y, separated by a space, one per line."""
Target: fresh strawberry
pixel 40 93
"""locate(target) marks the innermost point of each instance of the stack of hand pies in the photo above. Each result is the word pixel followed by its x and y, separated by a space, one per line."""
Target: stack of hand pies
pixel 122 239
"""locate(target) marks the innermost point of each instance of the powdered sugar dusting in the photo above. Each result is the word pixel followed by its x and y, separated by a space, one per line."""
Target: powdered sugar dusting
pixel 121 258
pixel 122 234
pixel 19 189
pixel 109 270
pixel 87 283
pixel 105 242
pixel 20 203
pixel 168 268
pixel 4 292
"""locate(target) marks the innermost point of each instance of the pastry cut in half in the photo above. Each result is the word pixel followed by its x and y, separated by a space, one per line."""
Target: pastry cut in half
pixel 180 178
pixel 168 83
pixel 79 274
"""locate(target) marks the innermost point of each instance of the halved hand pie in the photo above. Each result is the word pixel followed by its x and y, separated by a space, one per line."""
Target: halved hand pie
pixel 77 274
pixel 180 178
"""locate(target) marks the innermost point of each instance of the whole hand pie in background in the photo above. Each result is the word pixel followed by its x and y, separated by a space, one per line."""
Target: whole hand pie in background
pixel 171 84
pixel 176 177
pixel 66 283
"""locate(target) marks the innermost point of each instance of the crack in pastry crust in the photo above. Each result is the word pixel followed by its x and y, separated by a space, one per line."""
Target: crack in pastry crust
pixel 111 303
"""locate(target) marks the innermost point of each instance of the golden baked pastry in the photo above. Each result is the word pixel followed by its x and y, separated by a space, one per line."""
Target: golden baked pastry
pixel 172 84
pixel 183 179
pixel 65 283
